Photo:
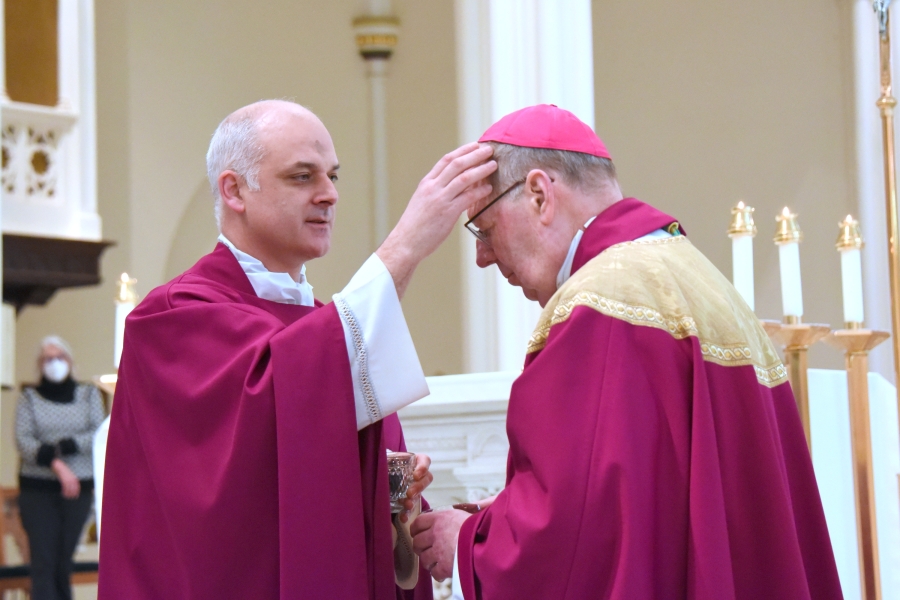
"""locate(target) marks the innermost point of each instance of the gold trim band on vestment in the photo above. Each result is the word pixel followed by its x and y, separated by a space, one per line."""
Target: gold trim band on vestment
pixel 674 312
pixel 726 356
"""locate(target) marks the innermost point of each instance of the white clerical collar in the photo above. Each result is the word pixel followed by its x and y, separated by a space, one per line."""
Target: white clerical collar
pixel 566 271
pixel 277 287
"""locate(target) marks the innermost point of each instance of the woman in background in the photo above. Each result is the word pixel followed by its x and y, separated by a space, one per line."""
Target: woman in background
pixel 55 425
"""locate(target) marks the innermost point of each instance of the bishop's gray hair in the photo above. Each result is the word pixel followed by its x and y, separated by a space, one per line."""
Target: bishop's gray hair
pixel 584 171
pixel 234 147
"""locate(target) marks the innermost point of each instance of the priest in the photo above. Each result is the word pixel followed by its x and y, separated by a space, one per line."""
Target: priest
pixel 656 450
pixel 246 452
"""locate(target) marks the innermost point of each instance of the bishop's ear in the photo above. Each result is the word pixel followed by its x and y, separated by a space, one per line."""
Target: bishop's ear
pixel 541 194
pixel 230 191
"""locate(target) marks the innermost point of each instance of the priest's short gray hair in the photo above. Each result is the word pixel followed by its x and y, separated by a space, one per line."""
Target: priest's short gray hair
pixel 235 146
pixel 584 171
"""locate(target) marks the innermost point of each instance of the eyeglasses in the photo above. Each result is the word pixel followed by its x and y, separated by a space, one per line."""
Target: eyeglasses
pixel 470 224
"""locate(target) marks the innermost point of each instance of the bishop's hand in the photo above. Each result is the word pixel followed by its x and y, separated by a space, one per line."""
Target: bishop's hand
pixel 434 540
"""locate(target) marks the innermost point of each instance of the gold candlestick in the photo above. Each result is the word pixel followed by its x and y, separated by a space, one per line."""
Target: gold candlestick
pixel 856 343
pixel 125 291
pixel 788 230
pixel 742 221
pixel 886 103
pixel 796 338
pixel 849 236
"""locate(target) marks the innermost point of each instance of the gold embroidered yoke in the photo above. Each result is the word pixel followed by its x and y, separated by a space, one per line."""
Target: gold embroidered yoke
pixel 668 284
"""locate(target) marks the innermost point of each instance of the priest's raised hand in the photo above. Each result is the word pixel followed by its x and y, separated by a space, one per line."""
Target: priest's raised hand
pixel 244 404
pixel 454 184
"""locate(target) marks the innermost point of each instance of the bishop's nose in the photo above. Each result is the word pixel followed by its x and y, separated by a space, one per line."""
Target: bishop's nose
pixel 484 255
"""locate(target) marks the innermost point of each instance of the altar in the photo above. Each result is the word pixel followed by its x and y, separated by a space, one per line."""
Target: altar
pixel 462 427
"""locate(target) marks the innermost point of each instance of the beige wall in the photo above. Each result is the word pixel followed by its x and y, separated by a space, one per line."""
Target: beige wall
pixel 421 103
pixel 423 127
pixel 167 73
pixel 701 104
pixel 706 103
pixel 191 63
pixel 186 77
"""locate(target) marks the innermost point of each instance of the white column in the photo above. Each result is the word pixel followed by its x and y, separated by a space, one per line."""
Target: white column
pixel 89 218
pixel 473 82
pixel 512 54
pixel 69 157
pixel 870 173
pixel 77 94
pixel 376 37
pixel 68 49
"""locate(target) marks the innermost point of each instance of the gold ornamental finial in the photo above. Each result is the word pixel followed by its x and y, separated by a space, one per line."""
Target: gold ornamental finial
pixel 742 221
pixel 788 229
pixel 850 236
pixel 126 292
pixel 376 36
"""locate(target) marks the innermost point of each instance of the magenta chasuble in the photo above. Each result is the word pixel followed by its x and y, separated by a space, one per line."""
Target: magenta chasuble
pixel 655 447
pixel 234 468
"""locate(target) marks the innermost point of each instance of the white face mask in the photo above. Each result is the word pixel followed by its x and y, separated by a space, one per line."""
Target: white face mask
pixel 56 370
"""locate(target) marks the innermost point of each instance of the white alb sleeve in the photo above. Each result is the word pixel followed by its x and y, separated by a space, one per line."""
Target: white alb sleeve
pixel 456 592
pixel 386 371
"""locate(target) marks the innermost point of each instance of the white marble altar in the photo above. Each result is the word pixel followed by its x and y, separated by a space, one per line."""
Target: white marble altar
pixel 462 426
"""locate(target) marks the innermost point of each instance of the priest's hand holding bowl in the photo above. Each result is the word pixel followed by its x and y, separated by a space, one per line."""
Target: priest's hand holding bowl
pixel 421 479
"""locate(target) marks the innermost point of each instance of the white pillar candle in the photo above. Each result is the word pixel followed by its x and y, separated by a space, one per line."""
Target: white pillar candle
pixel 742 267
pixel 851 280
pixel 787 237
pixel 848 244
pixel 126 300
pixel 741 233
pixel 122 310
pixel 791 291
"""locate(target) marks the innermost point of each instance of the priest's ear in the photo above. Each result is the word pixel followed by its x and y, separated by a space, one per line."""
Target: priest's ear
pixel 230 191
pixel 541 194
